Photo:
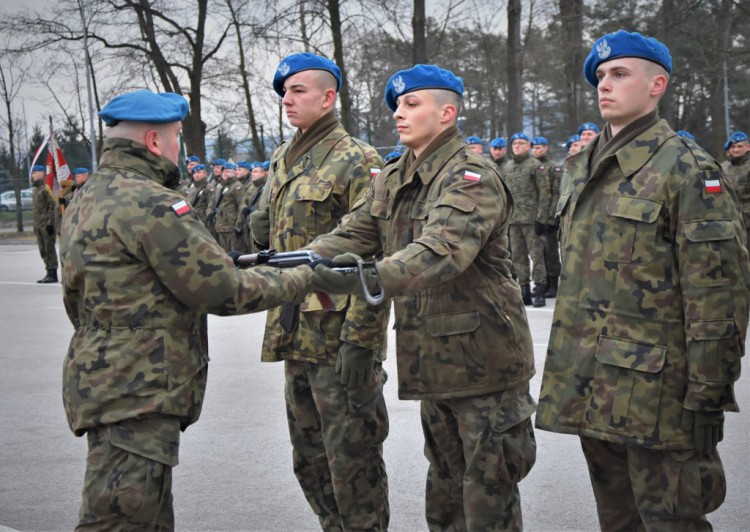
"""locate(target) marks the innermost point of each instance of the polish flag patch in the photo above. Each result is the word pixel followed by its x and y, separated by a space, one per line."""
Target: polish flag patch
pixel 472 176
pixel 374 172
pixel 713 186
pixel 181 208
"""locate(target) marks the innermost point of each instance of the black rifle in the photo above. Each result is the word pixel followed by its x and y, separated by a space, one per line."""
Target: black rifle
pixel 290 259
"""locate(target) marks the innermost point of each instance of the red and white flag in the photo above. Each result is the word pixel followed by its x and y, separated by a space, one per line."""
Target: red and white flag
pixel 57 168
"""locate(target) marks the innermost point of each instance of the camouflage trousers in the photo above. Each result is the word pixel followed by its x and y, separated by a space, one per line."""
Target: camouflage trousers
pixel 337 439
pixel 656 491
pixel 479 449
pixel 552 253
pixel 228 240
pixel 46 244
pixel 128 482
pixel 524 243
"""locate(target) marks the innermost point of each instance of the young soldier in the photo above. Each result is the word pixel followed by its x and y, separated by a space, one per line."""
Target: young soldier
pixel 587 132
pixel 46 209
pixel 540 148
pixel 737 170
pixel 475 144
pixel 652 308
pixel 499 152
pixel 439 215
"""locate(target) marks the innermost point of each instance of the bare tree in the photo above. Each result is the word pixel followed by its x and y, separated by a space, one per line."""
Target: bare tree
pixel 11 81
pixel 418 29
pixel 334 12
pixel 571 19
pixel 515 67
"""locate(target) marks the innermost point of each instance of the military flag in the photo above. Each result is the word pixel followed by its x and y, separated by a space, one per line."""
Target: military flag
pixel 57 167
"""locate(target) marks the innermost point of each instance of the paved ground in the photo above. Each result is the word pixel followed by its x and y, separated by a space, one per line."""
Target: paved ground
pixel 235 463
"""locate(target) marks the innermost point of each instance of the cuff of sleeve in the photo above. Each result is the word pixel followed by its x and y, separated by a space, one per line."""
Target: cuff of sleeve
pixel 709 398
pixel 300 279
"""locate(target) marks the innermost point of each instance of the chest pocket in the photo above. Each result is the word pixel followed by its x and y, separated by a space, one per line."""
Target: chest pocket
pixel 312 210
pixel 630 230
pixel 420 210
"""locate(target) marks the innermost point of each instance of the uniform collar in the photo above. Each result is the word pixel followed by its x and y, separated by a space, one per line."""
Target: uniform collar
pixel 637 152
pixel 125 153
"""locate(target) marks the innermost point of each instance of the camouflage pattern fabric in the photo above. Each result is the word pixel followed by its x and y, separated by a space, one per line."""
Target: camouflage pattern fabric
pixel 46 210
pixel 552 239
pixel 479 449
pixel 226 209
pixel 652 307
pixel 657 491
pixel 337 437
pixel 525 243
pixel 198 196
pixel 528 182
pixel 251 200
pixel 737 172
pixel 461 327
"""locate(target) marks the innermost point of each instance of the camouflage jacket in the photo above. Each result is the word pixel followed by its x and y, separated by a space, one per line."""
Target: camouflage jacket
pixel 139 273
pixel 305 201
pixel 45 206
pixel 228 205
pixel 251 200
pixel 461 327
pixel 652 307
pixel 528 183
pixel 738 173
pixel 554 177
pixel 198 196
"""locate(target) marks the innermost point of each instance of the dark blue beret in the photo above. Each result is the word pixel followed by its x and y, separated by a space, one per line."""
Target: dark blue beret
pixel 81 170
pixel 625 44
pixel 266 165
pixel 498 142
pixel 244 164
pixel 472 139
pixel 586 126
pixel 519 135
pixel 39 168
pixel 219 162
pixel 737 136
pixel 571 140
pixel 303 61
pixel 393 155
pixel 198 167
pixel 193 159
pixel 421 77
pixel 230 166
pixel 686 134
pixel 541 141
pixel 145 106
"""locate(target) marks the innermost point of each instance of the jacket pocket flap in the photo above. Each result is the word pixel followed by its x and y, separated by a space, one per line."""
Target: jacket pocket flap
pixel 447 324
pixel 638 209
pixel 631 354
pixel 314 192
pixel 708 230
pixel 460 202
pixel 712 329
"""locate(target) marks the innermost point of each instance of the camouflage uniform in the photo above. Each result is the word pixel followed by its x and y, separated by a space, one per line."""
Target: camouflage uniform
pixel 337 436
pixel 226 207
pixel 650 321
pixel 46 210
pixel 250 201
pixel 552 238
pixel 462 339
pixel 199 195
pixel 528 183
pixel 737 171
pixel 139 274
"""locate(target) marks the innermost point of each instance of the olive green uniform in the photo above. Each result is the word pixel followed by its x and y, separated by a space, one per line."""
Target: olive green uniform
pixel 552 237
pixel 737 171
pixel 46 210
pixel 249 204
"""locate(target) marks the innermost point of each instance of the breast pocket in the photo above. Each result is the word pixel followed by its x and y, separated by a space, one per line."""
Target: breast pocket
pixel 313 210
pixel 629 235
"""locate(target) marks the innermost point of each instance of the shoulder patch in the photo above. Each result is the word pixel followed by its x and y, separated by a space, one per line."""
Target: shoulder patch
pixel 712 186
pixel 374 171
pixel 472 176
pixel 181 208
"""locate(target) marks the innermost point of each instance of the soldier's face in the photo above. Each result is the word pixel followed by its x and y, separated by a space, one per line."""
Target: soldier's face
pixel 81 178
pixel 242 172
pixel 575 147
pixel 200 175
pixel 628 89
pixel 306 99
pixel 217 170
pixel 228 174
pixel 191 165
pixel 540 150
pixel 587 135
pixel 520 146
pixel 498 153
pixel 738 149
pixel 37 176
pixel 476 148
pixel 258 173
pixel 418 119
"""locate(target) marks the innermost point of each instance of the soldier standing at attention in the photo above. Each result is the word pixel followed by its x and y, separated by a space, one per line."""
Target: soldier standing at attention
pixel 439 215
pixel 45 211
pixel 226 206
pixel 528 182
pixel 573 145
pixel 499 152
pixel 140 272
pixel 475 144
pixel 652 307
pixel 737 170
pixel 540 148
pixel 587 132
pixel 250 202
pixel 200 192
pixel 332 356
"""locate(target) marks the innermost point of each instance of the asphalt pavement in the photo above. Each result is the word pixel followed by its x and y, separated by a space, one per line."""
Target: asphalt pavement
pixel 235 470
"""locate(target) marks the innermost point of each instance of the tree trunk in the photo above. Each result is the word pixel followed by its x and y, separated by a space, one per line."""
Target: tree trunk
pixel 515 68
pixel 723 20
pixel 666 32
pixel 338 55
pixel 419 50
pixel 571 16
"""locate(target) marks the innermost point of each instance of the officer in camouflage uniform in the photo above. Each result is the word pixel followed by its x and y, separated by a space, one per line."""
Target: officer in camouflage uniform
pixel 250 202
pixel 201 191
pixel 332 356
pixel 45 211
pixel 652 308
pixel 499 152
pixel 737 170
pixel 528 182
pixel 226 207
pixel 540 149
pixel 439 214
pixel 140 272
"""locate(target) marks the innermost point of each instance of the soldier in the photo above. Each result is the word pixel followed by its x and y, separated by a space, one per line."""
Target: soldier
pixel 475 144
pixel 200 193
pixel 573 145
pixel 332 356
pixel 499 152
pixel 140 272
pixel 439 215
pixel 737 170
pixel 45 211
pixel 652 307
pixel 587 132
pixel 540 148
pixel 250 202
pixel 527 180
pixel 226 207
pixel 191 162
pixel 218 169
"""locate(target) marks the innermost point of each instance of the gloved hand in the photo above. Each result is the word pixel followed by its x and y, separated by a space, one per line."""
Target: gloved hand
pixel 553 227
pixel 238 231
pixel 355 365
pixel 235 255
pixel 539 228
pixel 245 211
pixel 707 428
pixel 260 225
pixel 50 230
pixel 324 279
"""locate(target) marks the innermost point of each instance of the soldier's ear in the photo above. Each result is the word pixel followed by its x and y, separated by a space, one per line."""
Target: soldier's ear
pixel 152 140
pixel 448 113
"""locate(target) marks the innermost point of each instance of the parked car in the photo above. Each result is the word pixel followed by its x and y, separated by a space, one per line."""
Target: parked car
pixel 8 200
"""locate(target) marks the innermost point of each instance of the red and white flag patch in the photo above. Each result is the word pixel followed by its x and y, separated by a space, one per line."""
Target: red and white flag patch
pixel 374 172
pixel 181 208
pixel 713 186
pixel 472 176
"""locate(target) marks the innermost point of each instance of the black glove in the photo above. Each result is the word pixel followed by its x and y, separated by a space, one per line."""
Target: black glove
pixel 260 225
pixel 63 202
pixel 237 231
pixel 553 227
pixel 326 280
pixel 245 211
pixel 355 365
pixel 211 219
pixel 50 230
pixel 539 228
pixel 235 255
pixel 707 429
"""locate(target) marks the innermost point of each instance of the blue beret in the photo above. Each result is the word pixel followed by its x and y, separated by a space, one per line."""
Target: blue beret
pixel 540 141
pixel 625 44
pixel 198 167
pixel 193 159
pixel 39 168
pixel 519 135
pixel 686 134
pixel 230 166
pixel 571 140
pixel 145 106
pixel 81 170
pixel 498 142
pixel 586 126
pixel 737 136
pixel 473 140
pixel 266 165
pixel 219 162
pixel 303 61
pixel 421 77
pixel 244 164
pixel 393 155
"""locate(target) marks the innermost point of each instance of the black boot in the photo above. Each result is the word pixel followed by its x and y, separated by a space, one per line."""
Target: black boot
pixel 539 291
pixel 51 277
pixel 526 294
pixel 551 288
